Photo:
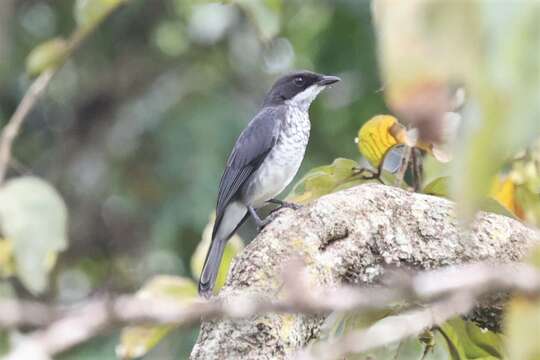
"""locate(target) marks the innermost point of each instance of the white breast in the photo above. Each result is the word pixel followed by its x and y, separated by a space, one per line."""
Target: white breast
pixel 283 161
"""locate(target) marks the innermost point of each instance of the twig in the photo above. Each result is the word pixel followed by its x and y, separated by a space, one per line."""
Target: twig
pixel 36 91
pixel 11 130
pixel 455 289
pixel 462 286
pixel 400 175
pixel 392 329
pixel 417 169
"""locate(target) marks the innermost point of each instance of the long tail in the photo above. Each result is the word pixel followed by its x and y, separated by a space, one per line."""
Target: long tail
pixel 233 216
pixel 211 267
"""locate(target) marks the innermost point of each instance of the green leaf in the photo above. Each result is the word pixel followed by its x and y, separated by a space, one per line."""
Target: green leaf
pixel 493 206
pixel 45 56
pixel 409 349
pixel 470 342
pixel 34 218
pixel 438 187
pixel 90 12
pixel 438 349
pixel 457 339
pixel 325 179
pixel 233 247
pixel 412 348
pixel 342 168
pixel 169 37
pixel 338 323
pixel 136 341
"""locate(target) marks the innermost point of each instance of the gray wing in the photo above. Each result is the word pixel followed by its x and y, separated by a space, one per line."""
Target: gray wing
pixel 251 148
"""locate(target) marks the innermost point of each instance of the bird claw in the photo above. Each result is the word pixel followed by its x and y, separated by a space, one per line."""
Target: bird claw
pixel 290 205
pixel 263 223
pixel 285 204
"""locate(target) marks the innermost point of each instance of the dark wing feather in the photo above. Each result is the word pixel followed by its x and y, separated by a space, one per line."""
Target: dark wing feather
pixel 251 148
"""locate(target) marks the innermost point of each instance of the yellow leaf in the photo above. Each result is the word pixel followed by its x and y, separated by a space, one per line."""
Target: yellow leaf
pixel 378 135
pixel 136 341
pixel 504 191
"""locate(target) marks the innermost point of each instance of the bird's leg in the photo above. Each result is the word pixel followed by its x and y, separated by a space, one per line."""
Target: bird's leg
pixel 258 221
pixel 284 204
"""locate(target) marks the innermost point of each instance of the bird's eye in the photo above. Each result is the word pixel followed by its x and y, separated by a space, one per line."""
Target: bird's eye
pixel 299 81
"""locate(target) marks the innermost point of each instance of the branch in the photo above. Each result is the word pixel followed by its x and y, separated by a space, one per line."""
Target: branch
pixel 36 91
pixel 346 237
pixel 350 237
pixel 66 327
pixel 392 329
pixel 11 130
pixel 460 288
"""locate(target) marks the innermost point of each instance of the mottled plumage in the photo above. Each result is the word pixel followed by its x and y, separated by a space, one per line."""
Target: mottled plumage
pixel 264 160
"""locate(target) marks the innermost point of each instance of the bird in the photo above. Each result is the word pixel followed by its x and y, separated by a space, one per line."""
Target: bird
pixel 263 161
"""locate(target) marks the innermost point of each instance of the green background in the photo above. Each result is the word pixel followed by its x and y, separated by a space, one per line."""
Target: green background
pixel 136 127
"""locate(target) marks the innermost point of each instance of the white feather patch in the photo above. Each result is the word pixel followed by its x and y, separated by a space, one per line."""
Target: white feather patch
pixel 306 97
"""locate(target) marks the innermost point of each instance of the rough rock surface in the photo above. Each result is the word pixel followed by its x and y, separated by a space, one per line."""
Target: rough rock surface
pixel 349 236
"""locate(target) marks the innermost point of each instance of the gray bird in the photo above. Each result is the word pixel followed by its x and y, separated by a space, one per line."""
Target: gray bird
pixel 264 160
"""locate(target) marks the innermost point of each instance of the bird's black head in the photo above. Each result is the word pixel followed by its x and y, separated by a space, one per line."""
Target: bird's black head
pixel 299 88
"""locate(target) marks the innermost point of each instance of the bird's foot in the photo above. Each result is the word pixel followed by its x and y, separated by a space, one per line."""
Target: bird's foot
pixel 263 223
pixel 285 204
pixel 260 223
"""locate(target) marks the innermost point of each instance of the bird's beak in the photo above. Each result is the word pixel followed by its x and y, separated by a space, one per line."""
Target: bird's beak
pixel 328 80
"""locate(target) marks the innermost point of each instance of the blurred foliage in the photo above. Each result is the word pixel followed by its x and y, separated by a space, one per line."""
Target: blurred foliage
pixel 457 339
pixel 136 341
pixel 89 13
pixel 501 199
pixel 383 132
pixel 34 222
pixel 47 55
pixel 136 126
pixel 490 48
pixel 521 322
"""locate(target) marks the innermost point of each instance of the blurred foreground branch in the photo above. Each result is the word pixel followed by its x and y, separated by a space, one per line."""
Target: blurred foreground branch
pixel 452 290
pixel 270 306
